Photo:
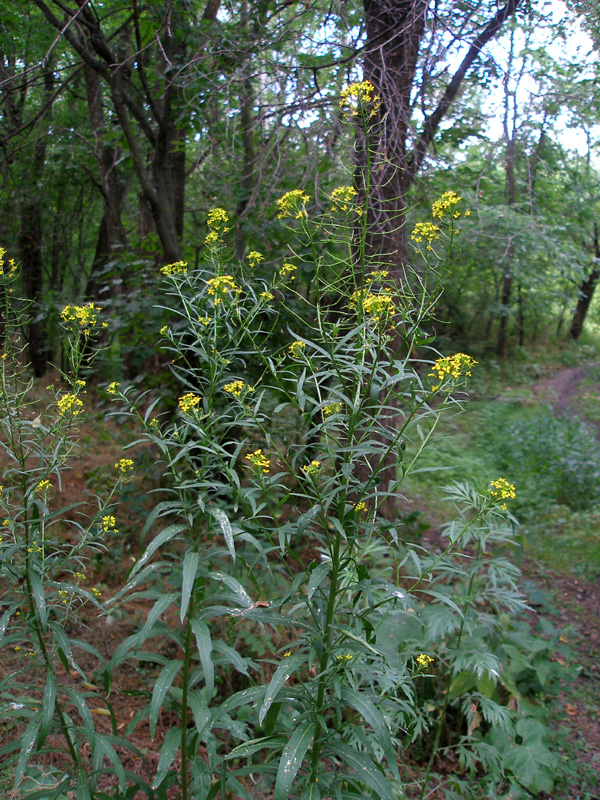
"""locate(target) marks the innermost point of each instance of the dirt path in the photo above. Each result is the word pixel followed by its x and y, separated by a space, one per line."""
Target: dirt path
pixel 576 607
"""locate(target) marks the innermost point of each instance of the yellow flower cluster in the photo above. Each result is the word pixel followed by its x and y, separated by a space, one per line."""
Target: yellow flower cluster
pixel 343 198
pixel 85 316
pixel 112 387
pixel 312 469
pixel 423 660
pixel 344 657
pixel 69 402
pixel 178 268
pixel 287 269
pixel 258 460
pixel 425 231
pixel 12 267
pixel 502 490
pixel 358 95
pixel 124 465
pixel 334 408
pixel 43 487
pixel 254 258
pixel 374 305
pixel 296 348
pixel 221 286
pixel 446 203
pixel 188 403
pixel 292 204
pixel 452 367
pixel 204 320
pixel 108 524
pixel 266 297
pixel 377 275
pixel 237 388
pixel 362 506
pixel 217 218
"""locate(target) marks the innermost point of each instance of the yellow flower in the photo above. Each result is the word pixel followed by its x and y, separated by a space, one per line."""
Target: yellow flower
pixel 343 198
pixel 446 203
pixel 188 403
pixel 11 264
pixel 96 592
pixel 423 660
pixel 374 305
pixel 112 387
pixel 266 297
pixel 254 258
pixel 502 490
pixel 124 465
pixel 451 367
pixel 425 231
pixel 296 348
pixel 360 507
pixel 178 268
pixel 79 384
pixel 377 275
pixel 312 469
pixel 217 218
pixel 83 316
pixel 237 388
pixel 69 402
pixel 204 320
pixel 333 408
pixel 43 487
pixel 220 287
pixel 357 96
pixel 108 523
pixel 292 204
pixel 258 460
pixel 287 269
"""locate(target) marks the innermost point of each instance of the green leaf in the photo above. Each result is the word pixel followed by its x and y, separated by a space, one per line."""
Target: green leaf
pixel 292 758
pixel 190 567
pixel 48 710
pixel 167 754
pixel 27 744
pixel 204 643
pixel 317 576
pixel 226 529
pixel 40 599
pixel 157 609
pixel 371 714
pixel 236 587
pixel 286 668
pixel 162 538
pixel 232 657
pixel 366 770
pixel 161 687
pixel 85 715
pixel 83 788
pixel 252 746
pixel 6 619
pixel 463 683
pixel 105 747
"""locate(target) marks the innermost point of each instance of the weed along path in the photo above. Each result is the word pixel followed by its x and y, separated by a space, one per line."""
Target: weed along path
pixel 574 606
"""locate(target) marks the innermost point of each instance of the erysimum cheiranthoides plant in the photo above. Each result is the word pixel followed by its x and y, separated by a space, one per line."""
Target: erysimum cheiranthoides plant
pixel 295 674
pixel 46 722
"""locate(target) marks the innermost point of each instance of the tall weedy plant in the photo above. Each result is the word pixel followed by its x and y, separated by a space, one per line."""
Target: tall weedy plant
pixel 305 624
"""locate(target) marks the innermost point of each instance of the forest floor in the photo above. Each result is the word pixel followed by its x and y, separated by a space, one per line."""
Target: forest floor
pixel 570 602
pixel 574 606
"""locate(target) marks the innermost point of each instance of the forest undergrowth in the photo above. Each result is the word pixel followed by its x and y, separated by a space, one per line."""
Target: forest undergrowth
pixel 242 604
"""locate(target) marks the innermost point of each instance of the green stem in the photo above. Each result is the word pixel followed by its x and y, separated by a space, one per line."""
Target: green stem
pixel 184 700
pixel 325 653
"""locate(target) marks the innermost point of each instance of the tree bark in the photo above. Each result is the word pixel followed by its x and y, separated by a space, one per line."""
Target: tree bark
pixel 586 291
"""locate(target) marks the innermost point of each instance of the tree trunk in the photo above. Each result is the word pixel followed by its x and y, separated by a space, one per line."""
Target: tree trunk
pixel 586 292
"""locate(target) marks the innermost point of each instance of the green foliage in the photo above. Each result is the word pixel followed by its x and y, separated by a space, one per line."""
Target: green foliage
pixel 312 642
pixel 559 457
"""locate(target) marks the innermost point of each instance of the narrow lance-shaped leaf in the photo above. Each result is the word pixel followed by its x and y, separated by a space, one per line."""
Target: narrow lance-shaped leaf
pixel 161 687
pixel 204 642
pixel 292 758
pixel 287 667
pixel 190 566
